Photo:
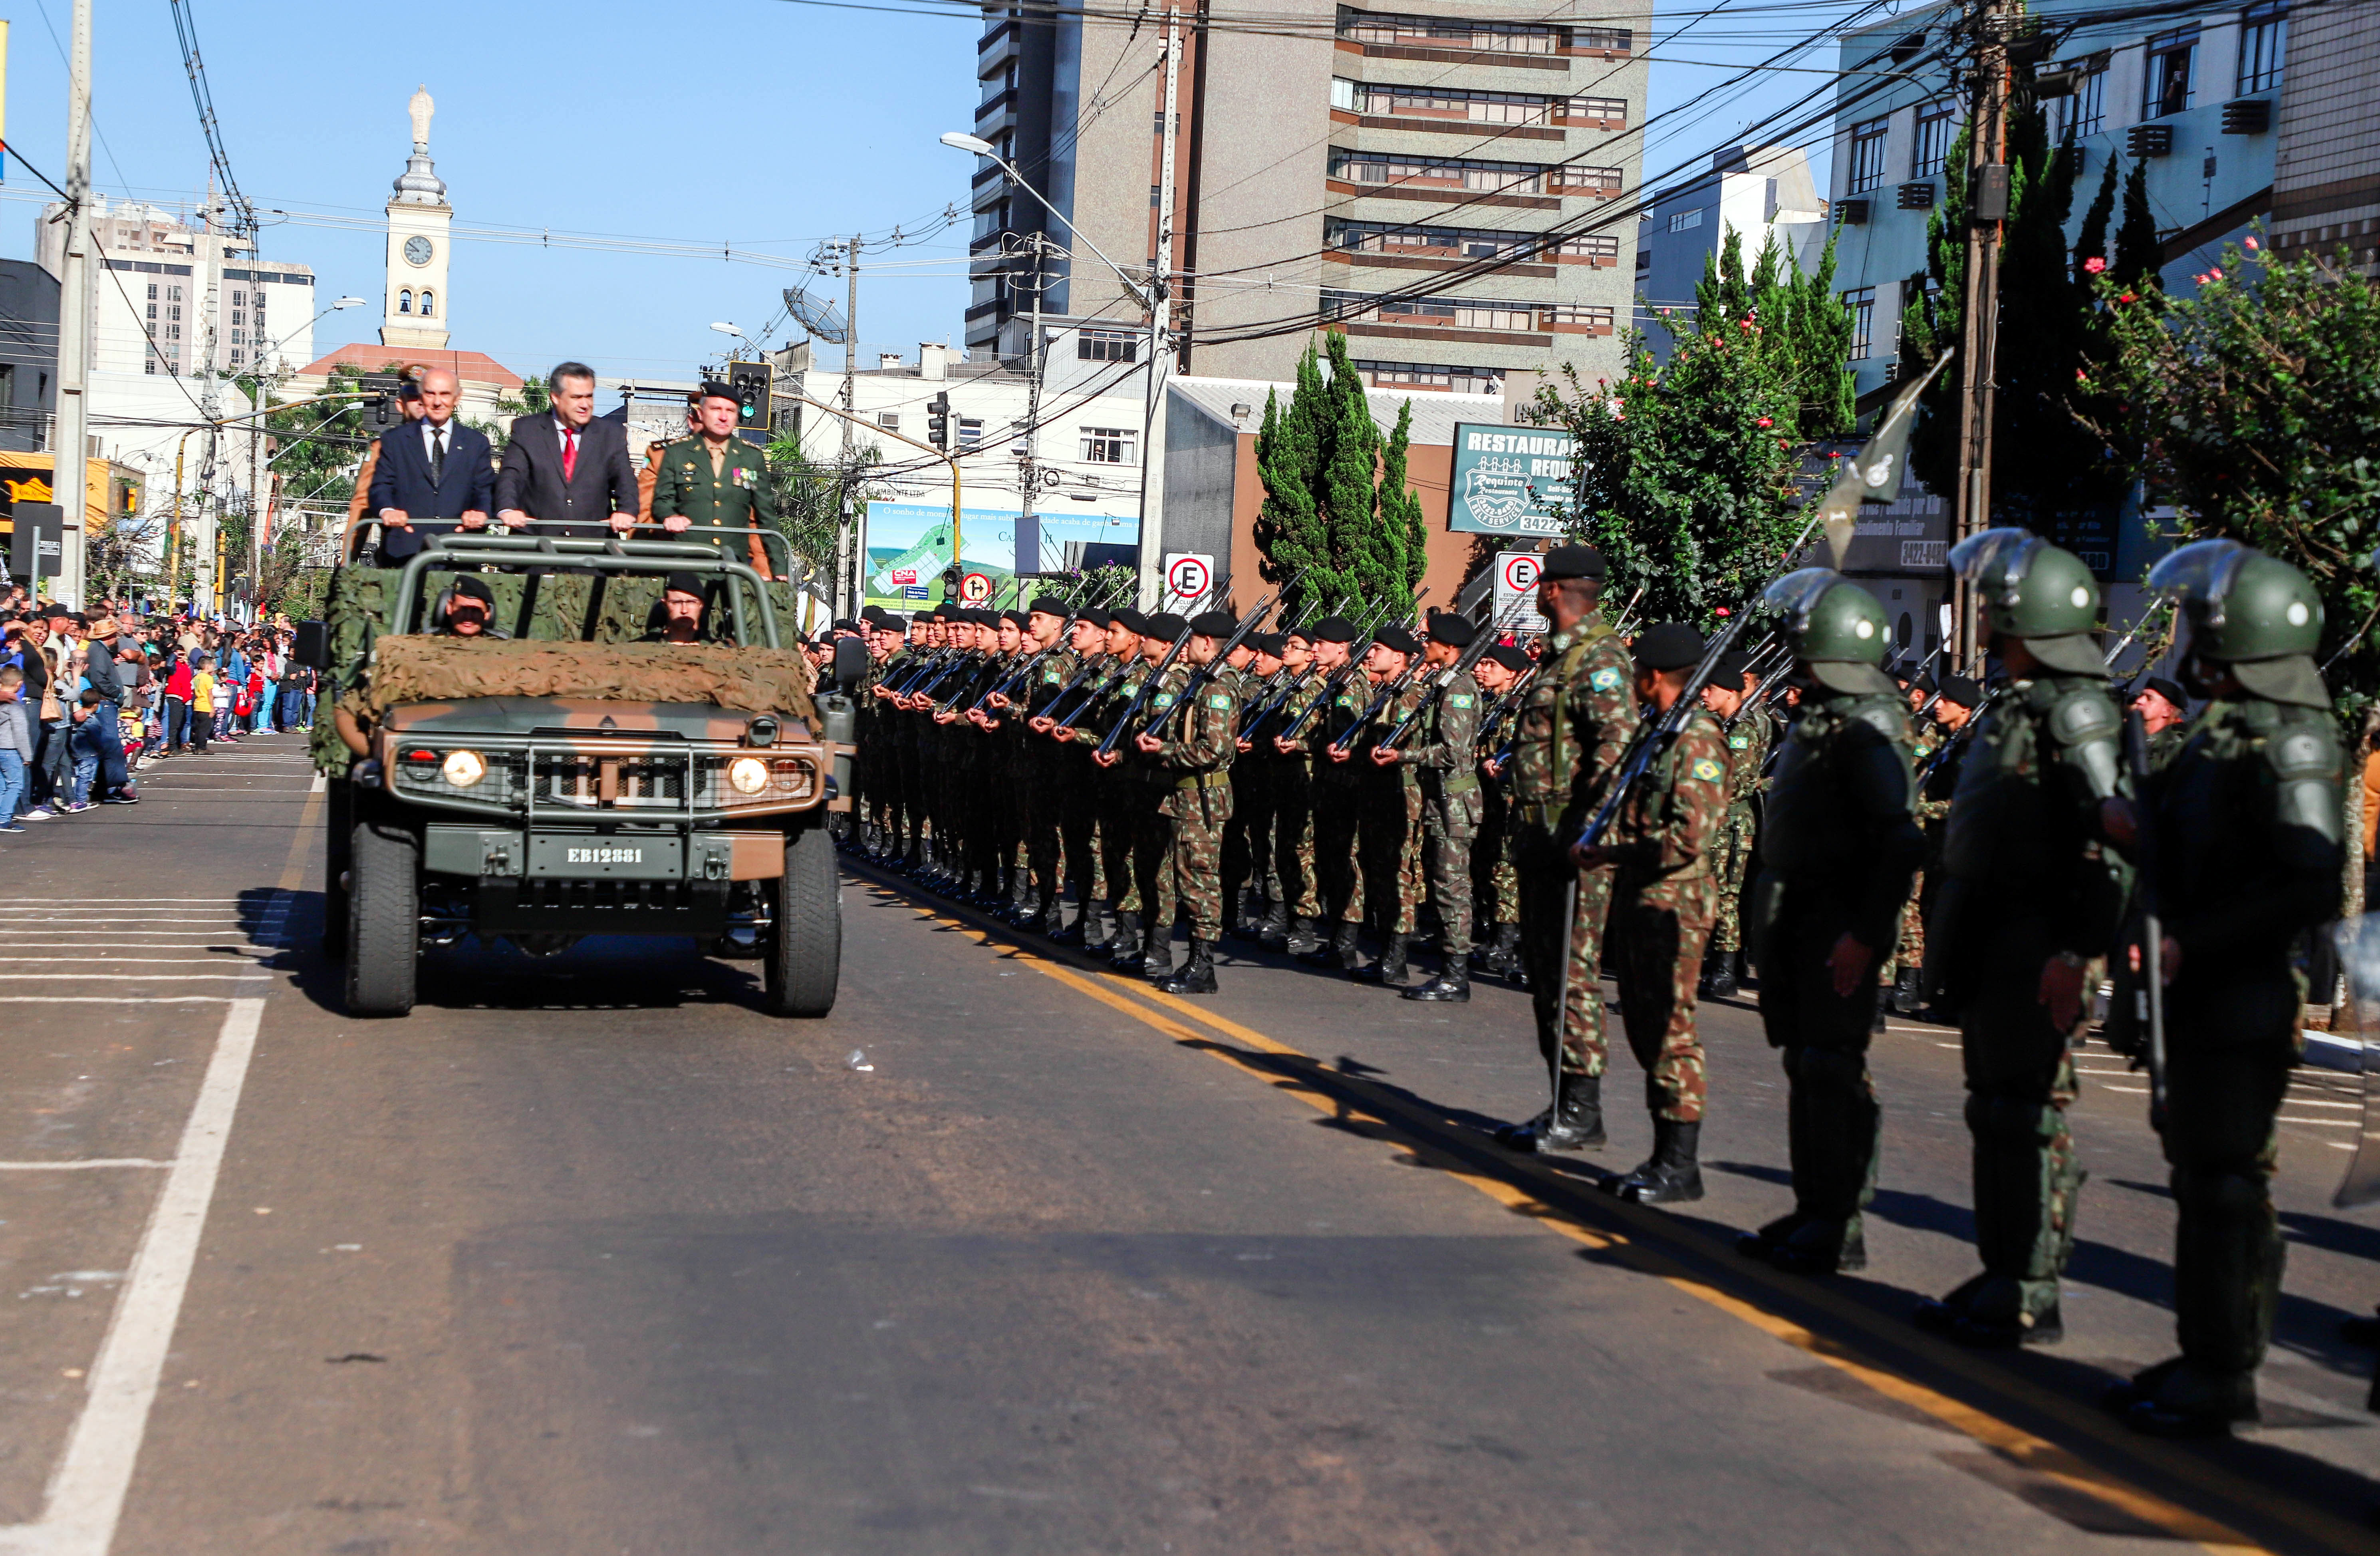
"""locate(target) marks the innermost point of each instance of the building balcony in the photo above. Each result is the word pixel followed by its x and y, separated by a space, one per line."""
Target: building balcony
pixel 1447 124
pixel 1438 194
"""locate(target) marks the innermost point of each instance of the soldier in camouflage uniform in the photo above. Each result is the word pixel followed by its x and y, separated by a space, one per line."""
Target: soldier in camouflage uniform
pixel 1576 725
pixel 2032 900
pixel 1042 765
pixel 1112 788
pixel 1663 894
pixel 1292 794
pixel 1388 822
pixel 1152 847
pixel 1253 777
pixel 1245 878
pixel 1752 732
pixel 2250 845
pixel 1496 882
pixel 1838 847
pixel 1195 755
pixel 1329 853
pixel 1076 796
pixel 1443 752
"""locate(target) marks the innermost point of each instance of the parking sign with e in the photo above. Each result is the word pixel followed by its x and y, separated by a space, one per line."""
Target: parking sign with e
pixel 1188 576
pixel 1516 588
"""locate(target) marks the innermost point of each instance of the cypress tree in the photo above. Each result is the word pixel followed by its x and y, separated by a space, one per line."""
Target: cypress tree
pixel 1402 526
pixel 2139 256
pixel 1290 532
pixel 2091 242
pixel 1349 483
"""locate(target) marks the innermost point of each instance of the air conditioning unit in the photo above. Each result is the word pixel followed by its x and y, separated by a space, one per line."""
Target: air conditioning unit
pixel 2249 116
pixel 1855 212
pixel 2149 139
pixel 1916 197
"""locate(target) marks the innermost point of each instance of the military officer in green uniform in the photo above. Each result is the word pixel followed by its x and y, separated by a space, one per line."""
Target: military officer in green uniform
pixel 1752 731
pixel 714 481
pixel 2030 903
pixel 1837 849
pixel 1443 753
pixel 2249 848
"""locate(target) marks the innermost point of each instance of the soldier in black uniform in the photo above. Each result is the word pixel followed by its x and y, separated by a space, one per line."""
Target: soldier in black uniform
pixel 1838 848
pixel 2250 844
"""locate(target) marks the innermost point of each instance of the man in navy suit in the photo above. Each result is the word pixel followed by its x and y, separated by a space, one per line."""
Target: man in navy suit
pixel 434 475
pixel 568 468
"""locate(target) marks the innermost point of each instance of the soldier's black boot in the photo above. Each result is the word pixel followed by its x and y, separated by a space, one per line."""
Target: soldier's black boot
pixel 1302 938
pixel 1157 958
pixel 1198 975
pixel 1575 1121
pixel 1719 976
pixel 1062 933
pixel 1393 969
pixel 2183 1398
pixel 1453 985
pixel 1498 957
pixel 1272 932
pixel 1341 953
pixel 1673 1173
pixel 1244 917
pixel 1908 992
pixel 1124 946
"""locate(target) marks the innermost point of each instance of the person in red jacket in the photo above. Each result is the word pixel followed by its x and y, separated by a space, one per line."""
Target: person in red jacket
pixel 178 704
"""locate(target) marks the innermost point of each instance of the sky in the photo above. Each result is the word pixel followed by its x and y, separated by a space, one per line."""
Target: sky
pixel 757 125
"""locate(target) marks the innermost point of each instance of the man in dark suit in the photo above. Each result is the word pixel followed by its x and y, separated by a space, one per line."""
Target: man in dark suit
pixel 432 476
pixel 566 466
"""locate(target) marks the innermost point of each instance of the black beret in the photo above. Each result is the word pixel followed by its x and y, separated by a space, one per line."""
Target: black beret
pixel 1269 644
pixel 2165 689
pixel 1129 618
pixel 1015 618
pixel 1455 631
pixel 714 389
pixel 1214 624
pixel 1093 616
pixel 1668 645
pixel 892 621
pixel 1048 605
pixel 845 625
pixel 1510 658
pixel 682 583
pixel 467 587
pixel 1923 681
pixel 985 616
pixel 1728 671
pixel 871 612
pixel 1164 624
pixel 1391 636
pixel 1962 691
pixel 1332 630
pixel 1573 562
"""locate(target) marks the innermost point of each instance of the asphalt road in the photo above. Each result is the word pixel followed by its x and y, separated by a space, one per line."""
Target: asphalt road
pixel 1007 1255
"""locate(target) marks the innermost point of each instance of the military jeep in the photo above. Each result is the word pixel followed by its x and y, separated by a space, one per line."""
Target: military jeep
pixel 566 773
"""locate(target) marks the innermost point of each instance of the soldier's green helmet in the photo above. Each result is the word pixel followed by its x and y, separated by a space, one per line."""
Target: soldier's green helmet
pixel 2032 590
pixel 1833 625
pixel 2251 611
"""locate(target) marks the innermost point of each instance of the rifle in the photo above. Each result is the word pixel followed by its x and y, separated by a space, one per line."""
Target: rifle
pixel 1446 677
pixel 1621 625
pixel 1381 699
pixel 1022 675
pixel 1933 763
pixel 2148 999
pixel 1147 689
pixel 1502 708
pixel 1205 673
pixel 1654 737
pixel 1278 687
pixel 1339 678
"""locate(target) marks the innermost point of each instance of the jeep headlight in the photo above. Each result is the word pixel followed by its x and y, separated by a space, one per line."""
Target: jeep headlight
pixel 748 775
pixel 464 769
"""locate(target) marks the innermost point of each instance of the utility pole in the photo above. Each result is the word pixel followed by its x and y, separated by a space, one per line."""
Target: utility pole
pixel 67 466
pixel 1028 468
pixel 1161 310
pixel 854 555
pixel 1987 209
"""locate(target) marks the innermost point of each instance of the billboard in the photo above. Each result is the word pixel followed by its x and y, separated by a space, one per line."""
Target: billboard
pixel 1508 479
pixel 909 544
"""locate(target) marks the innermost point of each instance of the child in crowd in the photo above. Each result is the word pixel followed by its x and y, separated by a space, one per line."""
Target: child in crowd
pixel 16 746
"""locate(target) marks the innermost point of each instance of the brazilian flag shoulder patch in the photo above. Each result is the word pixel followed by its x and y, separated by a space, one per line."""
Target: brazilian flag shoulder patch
pixel 1162 701
pixel 1604 679
pixel 1051 674
pixel 1218 702
pixel 1708 771
pixel 1739 742
pixel 1462 699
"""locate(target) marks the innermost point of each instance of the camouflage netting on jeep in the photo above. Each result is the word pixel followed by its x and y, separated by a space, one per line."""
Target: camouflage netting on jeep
pixel 419 669
pixel 560 611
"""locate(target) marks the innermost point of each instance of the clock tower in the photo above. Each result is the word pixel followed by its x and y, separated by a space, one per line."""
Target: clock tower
pixel 414 313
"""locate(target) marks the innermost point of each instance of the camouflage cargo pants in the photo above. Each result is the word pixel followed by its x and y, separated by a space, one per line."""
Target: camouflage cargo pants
pixel 1292 836
pixel 1198 819
pixel 1246 858
pixel 1495 883
pixel 1389 852
pixel 1448 845
pixel 1338 877
pixel 1546 876
pixel 1658 933
pixel 1152 870
pixel 1731 862
pixel 1044 800
pixel 1117 793
pixel 1077 826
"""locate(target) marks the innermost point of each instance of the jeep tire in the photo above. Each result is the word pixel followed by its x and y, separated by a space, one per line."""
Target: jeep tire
pixel 805 943
pixel 383 918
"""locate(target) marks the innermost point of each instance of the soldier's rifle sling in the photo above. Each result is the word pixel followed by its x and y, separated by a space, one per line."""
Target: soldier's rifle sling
pixel 1654 737
pixel 1201 674
pixel 2149 997
pixel 1147 689
pixel 1338 678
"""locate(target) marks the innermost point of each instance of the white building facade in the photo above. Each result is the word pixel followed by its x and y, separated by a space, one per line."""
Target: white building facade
pixel 157 276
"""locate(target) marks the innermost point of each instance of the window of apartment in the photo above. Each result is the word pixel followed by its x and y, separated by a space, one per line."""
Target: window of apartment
pixel 172 332
pixel 153 291
pixel 2085 113
pixel 1430 375
pixel 1345 95
pixel 1935 123
pixel 1685 221
pixel 1586 180
pixel 889 420
pixel 1593 318
pixel 238 316
pixel 1449 32
pixel 1440 173
pixel 970 431
pixel 1862 305
pixel 149 365
pixel 152 311
pixel 1107 345
pixel 239 336
pixel 174 311
pixel 1867 154
pixel 1595 246
pixel 2167 85
pixel 173 294
pixel 237 357
pixel 1456 313
pixel 2262 32
pixel 238 297
pixel 1108 445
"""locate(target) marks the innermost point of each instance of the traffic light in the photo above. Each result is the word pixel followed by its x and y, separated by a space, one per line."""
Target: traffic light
pixel 937 420
pixel 380 410
pixel 750 382
pixel 950 584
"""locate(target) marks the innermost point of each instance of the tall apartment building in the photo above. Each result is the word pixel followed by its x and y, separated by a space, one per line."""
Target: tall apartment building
pixel 1338 170
pixel 2326 177
pixel 1758 194
pixel 149 298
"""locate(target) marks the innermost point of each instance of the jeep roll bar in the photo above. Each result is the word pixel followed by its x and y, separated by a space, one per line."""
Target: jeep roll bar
pixel 609 555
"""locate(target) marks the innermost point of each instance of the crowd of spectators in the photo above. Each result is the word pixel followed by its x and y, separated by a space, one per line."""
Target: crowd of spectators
pixel 91 699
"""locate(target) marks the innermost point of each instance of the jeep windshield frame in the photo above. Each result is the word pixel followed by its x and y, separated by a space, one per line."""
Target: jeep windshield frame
pixel 650 558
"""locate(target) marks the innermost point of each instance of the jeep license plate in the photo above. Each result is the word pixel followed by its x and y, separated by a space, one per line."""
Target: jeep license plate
pixel 593 858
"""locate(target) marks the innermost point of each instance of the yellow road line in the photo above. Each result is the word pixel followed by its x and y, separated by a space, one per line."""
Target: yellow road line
pixel 1135 998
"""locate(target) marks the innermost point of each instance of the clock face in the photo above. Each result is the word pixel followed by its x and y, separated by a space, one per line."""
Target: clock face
pixel 417 250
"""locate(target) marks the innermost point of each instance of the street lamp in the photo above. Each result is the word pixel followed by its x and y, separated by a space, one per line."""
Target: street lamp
pixel 960 141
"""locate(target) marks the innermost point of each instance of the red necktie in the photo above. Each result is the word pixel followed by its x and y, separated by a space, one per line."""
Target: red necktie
pixel 569 452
